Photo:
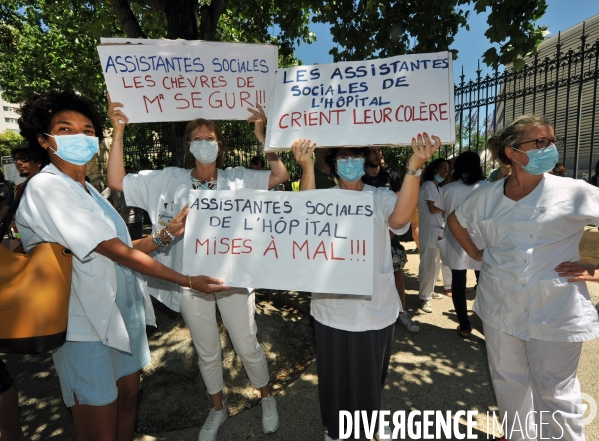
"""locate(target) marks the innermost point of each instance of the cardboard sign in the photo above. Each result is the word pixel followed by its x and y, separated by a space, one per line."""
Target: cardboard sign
pixel 180 80
pixel 372 102
pixel 309 241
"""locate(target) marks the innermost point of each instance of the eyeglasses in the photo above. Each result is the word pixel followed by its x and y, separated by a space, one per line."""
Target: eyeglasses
pixel 23 159
pixel 543 143
pixel 345 157
pixel 208 138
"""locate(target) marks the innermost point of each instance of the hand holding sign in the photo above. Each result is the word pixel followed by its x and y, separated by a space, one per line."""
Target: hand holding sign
pixel 303 153
pixel 176 227
pixel 117 118
pixel 423 150
pixel 259 119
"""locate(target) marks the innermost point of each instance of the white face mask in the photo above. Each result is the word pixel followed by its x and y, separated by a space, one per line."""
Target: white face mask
pixel 204 151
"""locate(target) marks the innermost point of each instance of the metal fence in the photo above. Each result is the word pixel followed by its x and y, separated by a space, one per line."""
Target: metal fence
pixel 559 82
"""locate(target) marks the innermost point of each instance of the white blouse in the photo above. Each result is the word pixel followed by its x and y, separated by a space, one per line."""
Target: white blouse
pixel 452 253
pixel 163 193
pixel 430 225
pixel 519 291
pixel 57 209
pixel 365 313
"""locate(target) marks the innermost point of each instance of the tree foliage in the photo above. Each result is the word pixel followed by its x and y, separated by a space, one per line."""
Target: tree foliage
pixel 9 140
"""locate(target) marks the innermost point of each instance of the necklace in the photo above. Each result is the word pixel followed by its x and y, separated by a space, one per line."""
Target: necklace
pixel 198 184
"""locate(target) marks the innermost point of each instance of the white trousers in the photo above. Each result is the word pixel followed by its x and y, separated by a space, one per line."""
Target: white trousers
pixel 237 311
pixel 536 386
pixel 428 272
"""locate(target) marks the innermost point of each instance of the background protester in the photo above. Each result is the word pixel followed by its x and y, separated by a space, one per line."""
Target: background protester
pixel 594 180
pixel 354 333
pixel 468 175
pixel 376 175
pixel 431 225
pixel 131 215
pixel 99 365
pixel 558 170
pixel 535 319
pixel 500 172
pixel 322 172
pixel 257 163
pixel 162 193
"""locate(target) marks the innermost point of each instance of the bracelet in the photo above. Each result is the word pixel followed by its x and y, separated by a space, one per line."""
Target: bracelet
pixel 180 275
pixel 158 240
pixel 189 278
pixel 168 234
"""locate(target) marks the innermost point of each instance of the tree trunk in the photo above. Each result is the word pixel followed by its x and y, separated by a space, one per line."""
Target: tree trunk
pixel 210 15
pixel 123 12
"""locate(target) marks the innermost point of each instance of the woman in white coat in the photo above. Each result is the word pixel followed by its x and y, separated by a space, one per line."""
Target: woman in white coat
pixel 431 226
pixel 535 319
pixel 162 193
pixel 467 176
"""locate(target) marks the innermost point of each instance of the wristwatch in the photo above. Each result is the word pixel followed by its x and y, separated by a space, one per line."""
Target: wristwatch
pixel 416 173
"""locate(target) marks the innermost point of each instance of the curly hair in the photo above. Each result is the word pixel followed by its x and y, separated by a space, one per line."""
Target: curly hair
pixel 39 108
pixel 511 135
pixel 431 170
pixel 467 168
pixel 331 156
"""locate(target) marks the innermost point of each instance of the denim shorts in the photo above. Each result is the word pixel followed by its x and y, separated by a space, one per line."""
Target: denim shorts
pixel 89 369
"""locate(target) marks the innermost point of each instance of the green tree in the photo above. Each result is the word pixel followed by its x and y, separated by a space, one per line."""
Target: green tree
pixel 48 43
pixel 8 141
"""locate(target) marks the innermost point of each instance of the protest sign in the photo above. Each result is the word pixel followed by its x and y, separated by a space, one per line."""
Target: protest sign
pixel 320 241
pixel 178 80
pixel 372 102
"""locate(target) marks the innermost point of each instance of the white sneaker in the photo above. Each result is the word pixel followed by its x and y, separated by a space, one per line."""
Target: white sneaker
pixel 437 295
pixel 426 306
pixel 212 423
pixel 387 431
pixel 327 437
pixel 270 416
pixel 405 319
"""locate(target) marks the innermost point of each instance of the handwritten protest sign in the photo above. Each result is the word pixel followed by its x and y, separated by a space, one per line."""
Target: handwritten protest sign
pixel 181 80
pixel 372 102
pixel 320 241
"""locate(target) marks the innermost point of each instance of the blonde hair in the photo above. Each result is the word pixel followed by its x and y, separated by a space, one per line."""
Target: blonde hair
pixel 210 125
pixel 511 135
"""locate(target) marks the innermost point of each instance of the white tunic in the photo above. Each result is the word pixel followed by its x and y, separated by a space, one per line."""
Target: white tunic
pixel 366 313
pixel 57 209
pixel 452 253
pixel 519 291
pixel 430 225
pixel 163 193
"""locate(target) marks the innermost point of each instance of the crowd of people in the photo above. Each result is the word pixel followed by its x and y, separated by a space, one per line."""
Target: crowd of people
pixel 519 231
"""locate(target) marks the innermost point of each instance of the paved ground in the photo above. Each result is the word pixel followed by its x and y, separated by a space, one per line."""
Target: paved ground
pixel 432 370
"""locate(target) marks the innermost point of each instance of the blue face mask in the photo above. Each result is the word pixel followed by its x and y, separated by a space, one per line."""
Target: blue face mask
pixel 76 149
pixel 204 151
pixel 540 161
pixel 350 169
pixel 438 178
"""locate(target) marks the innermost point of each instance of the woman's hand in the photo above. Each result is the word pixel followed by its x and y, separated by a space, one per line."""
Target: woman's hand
pixel 117 118
pixel 259 119
pixel 302 150
pixel 577 272
pixel 176 227
pixel 423 150
pixel 206 284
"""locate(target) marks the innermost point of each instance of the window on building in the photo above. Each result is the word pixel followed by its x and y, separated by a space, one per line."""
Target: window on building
pixel 7 120
pixel 6 108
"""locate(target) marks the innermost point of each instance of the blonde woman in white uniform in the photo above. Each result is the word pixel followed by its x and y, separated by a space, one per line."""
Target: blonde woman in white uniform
pixel 535 319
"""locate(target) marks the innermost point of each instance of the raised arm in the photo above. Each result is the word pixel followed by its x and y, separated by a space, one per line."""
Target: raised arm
pixel 407 198
pixel 116 162
pixel 302 151
pixel 463 237
pixel 278 171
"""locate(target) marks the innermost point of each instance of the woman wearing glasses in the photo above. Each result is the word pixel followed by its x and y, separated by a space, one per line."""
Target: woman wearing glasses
pixel 536 310
pixel 163 193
